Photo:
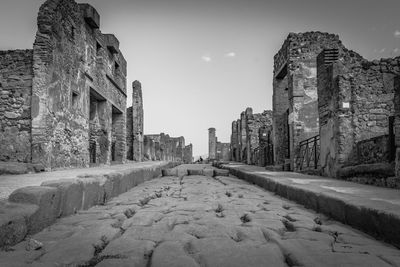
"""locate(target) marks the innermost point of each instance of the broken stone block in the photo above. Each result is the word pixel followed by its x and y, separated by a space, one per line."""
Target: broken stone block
pixel 208 172
pixel 169 172
pixel 48 200
pixel 71 194
pixel 195 172
pixel 13 222
pixel 221 172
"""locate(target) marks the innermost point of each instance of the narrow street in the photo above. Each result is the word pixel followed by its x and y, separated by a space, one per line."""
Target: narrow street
pixel 199 221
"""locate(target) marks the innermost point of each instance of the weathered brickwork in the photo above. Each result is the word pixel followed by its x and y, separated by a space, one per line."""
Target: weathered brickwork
pixel 356 109
pixel 135 115
pixel 188 154
pixel 74 83
pixel 163 147
pixel 245 138
pixel 16 75
pixel 295 98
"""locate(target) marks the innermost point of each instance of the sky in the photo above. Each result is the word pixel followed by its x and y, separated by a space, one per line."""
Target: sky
pixel 202 62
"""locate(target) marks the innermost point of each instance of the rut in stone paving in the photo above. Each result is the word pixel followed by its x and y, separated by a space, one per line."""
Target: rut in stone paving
pixel 200 221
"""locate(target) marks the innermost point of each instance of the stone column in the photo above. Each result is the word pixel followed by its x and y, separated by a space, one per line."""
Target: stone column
pixel 137 114
pixel 212 144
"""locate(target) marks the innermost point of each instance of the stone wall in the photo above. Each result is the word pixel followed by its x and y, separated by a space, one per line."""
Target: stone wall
pixel 266 147
pixel 188 154
pixel 16 75
pixel 223 151
pixel 163 147
pixel 77 71
pixel 355 105
pixel 245 137
pixel 295 98
pixel 397 124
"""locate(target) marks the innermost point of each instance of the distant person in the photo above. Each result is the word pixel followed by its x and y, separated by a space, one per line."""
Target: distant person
pixel 201 160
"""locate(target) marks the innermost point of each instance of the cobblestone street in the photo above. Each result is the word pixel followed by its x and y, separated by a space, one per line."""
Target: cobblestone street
pixel 199 221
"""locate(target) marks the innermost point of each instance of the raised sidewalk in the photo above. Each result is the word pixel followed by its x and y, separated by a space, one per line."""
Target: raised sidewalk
pixel 35 201
pixel 374 210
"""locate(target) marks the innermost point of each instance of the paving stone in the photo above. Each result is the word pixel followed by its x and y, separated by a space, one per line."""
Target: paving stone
pixel 172 254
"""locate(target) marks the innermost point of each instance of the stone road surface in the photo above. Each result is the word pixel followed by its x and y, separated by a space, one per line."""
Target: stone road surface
pixel 199 221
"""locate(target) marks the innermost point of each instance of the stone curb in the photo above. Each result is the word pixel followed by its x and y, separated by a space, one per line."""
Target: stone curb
pixel 379 224
pixel 31 209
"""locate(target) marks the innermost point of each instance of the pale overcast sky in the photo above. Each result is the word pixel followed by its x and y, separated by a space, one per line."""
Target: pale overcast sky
pixel 202 62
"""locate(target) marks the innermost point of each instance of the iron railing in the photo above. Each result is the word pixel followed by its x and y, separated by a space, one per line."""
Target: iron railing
pixel 308 156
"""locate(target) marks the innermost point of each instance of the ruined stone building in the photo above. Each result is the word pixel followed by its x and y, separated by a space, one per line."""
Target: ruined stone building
pixel 295 97
pixel 134 126
pixel 217 151
pixel 356 112
pixel 251 138
pixel 163 147
pixel 63 102
pixel 188 154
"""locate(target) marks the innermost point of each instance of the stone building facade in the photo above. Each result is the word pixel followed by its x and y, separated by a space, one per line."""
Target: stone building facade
pixel 134 126
pixel 356 112
pixel 163 147
pixel 295 97
pixel 217 150
pixel 65 103
pixel 246 144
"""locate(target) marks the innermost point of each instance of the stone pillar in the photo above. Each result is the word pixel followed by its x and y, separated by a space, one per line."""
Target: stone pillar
pixel 212 144
pixel 137 114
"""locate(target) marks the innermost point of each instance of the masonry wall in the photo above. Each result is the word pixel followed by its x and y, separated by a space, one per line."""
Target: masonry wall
pixel 16 75
pixel 397 124
pixel 223 151
pixel 355 106
pixel 235 146
pixel 75 65
pixel 296 64
pixel 188 154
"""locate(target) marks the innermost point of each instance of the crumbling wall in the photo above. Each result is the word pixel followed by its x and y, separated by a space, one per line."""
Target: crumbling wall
pixel 188 154
pixel 223 151
pixel 355 105
pixel 16 75
pixel 73 62
pixel 296 64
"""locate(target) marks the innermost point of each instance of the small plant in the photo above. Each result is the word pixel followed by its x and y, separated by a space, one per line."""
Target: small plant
pixel 219 209
pixel 318 221
pixel 317 229
pixel 129 213
pixel 245 218
pixel 289 226
pixel 228 194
